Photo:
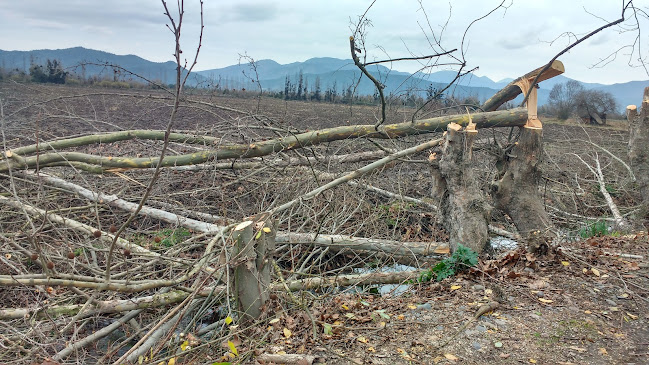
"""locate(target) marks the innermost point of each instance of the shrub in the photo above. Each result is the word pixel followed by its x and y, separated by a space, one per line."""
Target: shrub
pixel 462 259
pixel 596 229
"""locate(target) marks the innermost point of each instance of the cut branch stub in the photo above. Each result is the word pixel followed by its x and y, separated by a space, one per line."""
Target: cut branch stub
pixel 251 256
pixel 532 114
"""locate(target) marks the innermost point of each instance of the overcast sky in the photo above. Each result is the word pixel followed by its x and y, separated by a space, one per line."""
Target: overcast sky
pixel 508 43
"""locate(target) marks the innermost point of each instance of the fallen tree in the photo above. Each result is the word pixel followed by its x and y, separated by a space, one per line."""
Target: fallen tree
pixel 99 164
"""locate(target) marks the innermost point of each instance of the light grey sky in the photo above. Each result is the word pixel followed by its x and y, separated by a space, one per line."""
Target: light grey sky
pixel 508 43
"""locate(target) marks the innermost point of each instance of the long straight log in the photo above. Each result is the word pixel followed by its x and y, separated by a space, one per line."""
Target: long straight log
pixel 412 249
pixel 506 118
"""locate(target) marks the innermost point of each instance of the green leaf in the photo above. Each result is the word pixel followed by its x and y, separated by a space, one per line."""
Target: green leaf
pixel 382 313
pixel 233 348
pixel 258 236
pixel 228 320
pixel 327 329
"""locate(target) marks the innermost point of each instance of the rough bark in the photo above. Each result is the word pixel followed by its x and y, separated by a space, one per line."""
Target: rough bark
pixel 252 255
pixel 517 193
pixel 98 164
pixel 464 210
pixel 639 152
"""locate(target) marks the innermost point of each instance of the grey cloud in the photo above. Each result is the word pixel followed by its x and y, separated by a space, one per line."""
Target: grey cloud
pixel 249 12
pixel 254 12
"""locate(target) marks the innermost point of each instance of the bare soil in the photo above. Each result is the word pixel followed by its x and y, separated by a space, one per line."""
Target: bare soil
pixel 580 305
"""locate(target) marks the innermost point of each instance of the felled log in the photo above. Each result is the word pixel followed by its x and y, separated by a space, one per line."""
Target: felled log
pixel 99 164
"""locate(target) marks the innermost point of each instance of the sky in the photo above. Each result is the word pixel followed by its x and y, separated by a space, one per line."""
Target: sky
pixel 514 39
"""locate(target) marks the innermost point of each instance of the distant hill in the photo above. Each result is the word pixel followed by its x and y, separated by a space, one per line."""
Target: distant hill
pixel 71 58
pixel 272 75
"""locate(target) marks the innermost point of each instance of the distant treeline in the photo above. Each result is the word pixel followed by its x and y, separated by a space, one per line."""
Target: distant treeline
pixel 296 87
pixel 52 71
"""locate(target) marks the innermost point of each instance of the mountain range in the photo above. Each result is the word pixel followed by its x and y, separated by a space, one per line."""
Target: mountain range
pixel 272 75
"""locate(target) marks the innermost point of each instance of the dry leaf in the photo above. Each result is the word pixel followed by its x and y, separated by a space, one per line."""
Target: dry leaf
pixel 274 320
pixel 631 315
pixel 539 284
pixel 579 349
pixel 287 332
pixel 267 229
pixel 362 339
pixel 546 301
pixel 603 351
pixel 595 271
pixel 371 349
pixel 455 287
pixel 412 306
pixel 533 361
pixel 451 357
pixel 565 263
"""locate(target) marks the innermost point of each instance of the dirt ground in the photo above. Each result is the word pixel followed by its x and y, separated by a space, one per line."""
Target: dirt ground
pixel 582 304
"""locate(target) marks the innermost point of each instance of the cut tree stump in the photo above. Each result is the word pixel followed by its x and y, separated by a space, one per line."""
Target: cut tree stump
pixel 464 211
pixel 516 190
pixel 639 152
pixel 251 257
pixel 517 193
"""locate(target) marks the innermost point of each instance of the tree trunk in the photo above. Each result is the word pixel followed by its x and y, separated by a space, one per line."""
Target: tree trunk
pixel 517 192
pixel 639 152
pixel 464 210
pixel 252 253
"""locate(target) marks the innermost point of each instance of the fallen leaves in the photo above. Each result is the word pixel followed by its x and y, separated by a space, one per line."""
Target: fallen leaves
pixel 451 357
